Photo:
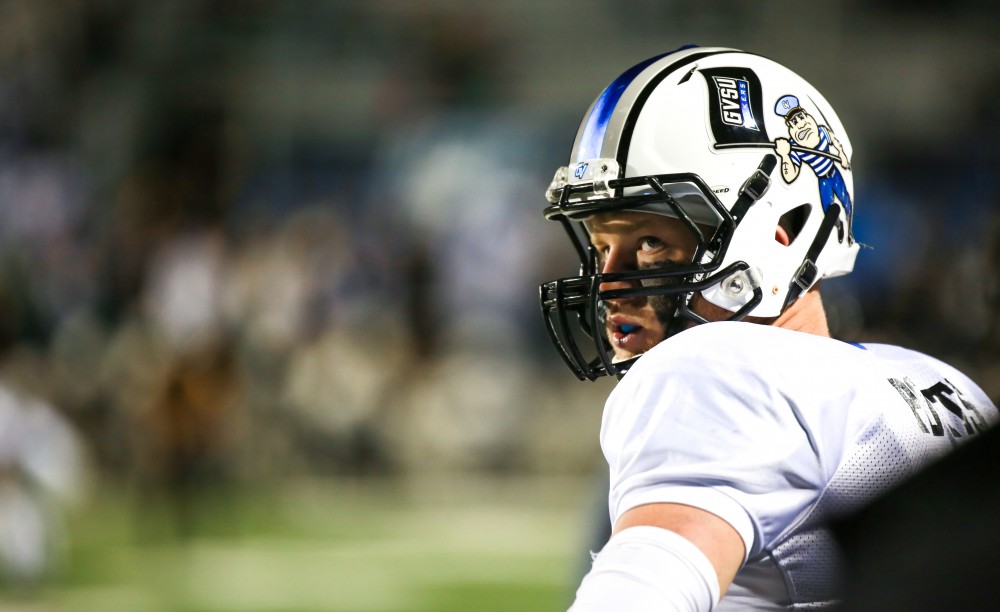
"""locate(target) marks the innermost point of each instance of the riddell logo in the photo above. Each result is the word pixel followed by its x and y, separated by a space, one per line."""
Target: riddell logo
pixel 734 102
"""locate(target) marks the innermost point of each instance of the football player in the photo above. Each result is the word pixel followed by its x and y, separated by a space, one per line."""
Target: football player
pixel 739 427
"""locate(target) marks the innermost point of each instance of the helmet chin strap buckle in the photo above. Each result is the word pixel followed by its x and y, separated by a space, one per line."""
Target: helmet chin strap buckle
pixel 801 281
pixel 754 187
pixel 805 276
pixel 807 272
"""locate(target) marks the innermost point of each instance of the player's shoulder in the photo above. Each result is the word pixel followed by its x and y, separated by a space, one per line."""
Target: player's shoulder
pixel 904 359
pixel 921 368
pixel 741 342
pixel 711 335
pixel 892 352
pixel 763 381
pixel 749 358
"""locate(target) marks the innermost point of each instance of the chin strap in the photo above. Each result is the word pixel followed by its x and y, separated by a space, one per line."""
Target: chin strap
pixel 754 187
pixel 807 272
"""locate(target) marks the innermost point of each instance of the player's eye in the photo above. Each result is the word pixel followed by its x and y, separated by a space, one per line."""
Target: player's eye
pixel 651 244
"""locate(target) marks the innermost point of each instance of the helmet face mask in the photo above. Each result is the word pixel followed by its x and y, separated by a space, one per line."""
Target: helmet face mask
pixel 575 304
pixel 662 140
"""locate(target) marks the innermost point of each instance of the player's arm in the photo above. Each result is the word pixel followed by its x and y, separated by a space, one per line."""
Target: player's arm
pixel 716 538
pixel 663 556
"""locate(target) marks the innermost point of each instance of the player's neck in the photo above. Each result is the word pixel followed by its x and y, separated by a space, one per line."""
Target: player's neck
pixel 805 315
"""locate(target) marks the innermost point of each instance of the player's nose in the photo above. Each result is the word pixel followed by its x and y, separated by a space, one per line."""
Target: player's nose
pixel 616 261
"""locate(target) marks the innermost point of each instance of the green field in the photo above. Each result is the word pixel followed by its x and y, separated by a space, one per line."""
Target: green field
pixel 442 543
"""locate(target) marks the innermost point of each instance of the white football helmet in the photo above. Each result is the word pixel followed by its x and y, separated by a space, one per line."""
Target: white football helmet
pixel 719 138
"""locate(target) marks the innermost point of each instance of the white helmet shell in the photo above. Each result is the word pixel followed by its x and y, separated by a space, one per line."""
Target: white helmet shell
pixel 716 113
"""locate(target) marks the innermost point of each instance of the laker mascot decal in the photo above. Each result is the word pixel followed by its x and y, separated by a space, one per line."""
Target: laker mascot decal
pixel 816 145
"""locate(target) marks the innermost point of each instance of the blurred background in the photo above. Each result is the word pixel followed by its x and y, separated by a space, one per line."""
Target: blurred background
pixel 268 277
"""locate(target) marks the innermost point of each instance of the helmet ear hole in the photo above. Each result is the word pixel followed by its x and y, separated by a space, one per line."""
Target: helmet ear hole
pixel 793 221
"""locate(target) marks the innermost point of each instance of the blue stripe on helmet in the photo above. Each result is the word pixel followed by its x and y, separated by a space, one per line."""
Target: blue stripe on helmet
pixel 592 139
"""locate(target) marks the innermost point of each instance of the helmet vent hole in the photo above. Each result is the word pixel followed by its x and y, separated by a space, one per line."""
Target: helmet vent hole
pixel 793 221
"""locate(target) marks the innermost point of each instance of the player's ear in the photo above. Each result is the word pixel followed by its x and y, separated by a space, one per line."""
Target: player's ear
pixel 790 224
pixel 781 236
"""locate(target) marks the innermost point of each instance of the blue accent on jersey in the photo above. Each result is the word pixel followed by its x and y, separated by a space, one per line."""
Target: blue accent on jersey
pixel 592 139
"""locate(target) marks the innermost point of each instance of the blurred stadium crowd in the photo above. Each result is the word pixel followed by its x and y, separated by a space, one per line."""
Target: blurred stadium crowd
pixel 242 240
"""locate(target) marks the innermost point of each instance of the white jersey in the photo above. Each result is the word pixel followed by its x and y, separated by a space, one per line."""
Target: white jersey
pixel 776 432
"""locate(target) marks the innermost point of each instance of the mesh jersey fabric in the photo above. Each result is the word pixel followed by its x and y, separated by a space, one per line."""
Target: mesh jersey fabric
pixel 778 432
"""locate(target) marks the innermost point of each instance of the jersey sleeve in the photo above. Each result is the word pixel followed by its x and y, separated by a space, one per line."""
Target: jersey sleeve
pixel 710 424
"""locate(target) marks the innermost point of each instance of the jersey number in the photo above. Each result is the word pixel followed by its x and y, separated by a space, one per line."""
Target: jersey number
pixel 926 403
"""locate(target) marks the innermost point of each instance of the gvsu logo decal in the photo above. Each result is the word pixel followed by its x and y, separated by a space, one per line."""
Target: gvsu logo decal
pixel 581 169
pixel 734 102
pixel 734 107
